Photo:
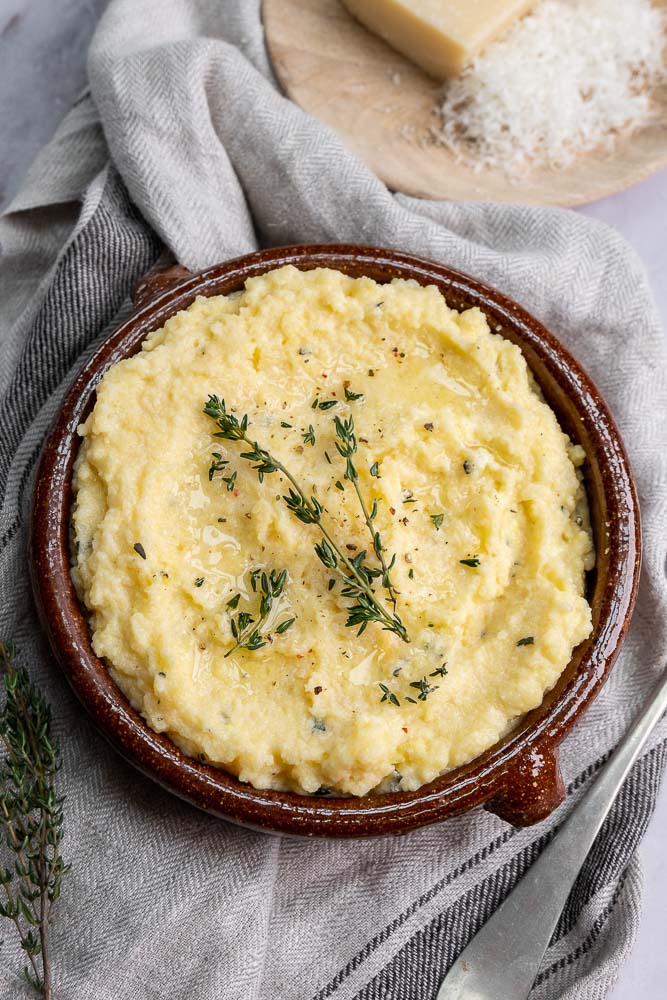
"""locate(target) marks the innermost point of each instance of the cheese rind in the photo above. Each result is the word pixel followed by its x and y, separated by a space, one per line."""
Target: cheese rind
pixel 441 36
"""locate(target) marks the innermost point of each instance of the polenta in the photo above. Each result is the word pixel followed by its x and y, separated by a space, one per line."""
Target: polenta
pixel 473 487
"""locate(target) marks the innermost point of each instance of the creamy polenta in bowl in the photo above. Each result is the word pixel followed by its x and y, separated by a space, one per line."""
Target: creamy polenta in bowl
pixel 329 533
pixel 335 541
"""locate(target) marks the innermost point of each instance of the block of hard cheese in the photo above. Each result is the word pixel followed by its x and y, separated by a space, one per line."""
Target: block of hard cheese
pixel 441 36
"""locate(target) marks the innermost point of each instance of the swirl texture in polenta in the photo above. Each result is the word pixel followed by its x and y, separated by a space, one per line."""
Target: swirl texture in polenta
pixel 494 588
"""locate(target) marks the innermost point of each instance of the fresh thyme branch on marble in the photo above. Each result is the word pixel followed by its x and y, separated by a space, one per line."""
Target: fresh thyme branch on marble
pixel 248 633
pixel 357 576
pixel 31 818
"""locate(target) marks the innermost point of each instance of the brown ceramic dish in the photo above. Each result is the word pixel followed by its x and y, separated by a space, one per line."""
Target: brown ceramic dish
pixel 519 778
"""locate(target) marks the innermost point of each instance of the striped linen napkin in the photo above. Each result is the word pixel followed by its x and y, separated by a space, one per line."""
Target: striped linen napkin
pixel 184 147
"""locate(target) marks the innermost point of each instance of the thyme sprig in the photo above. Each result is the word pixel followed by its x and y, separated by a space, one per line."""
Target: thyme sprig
pixel 31 818
pixel 358 577
pixel 249 633
pixel 347 447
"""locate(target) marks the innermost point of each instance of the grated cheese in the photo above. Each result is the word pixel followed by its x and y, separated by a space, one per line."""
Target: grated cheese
pixel 567 78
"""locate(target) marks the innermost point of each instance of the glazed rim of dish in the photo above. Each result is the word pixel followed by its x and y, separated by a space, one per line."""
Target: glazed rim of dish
pixel 518 778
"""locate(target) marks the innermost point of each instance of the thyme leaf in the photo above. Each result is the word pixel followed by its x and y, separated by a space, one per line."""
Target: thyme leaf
pixel 388 695
pixel 285 625
pixel 352 397
pixel 308 437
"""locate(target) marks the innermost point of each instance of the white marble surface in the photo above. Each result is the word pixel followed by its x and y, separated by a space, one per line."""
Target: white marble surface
pixel 42 69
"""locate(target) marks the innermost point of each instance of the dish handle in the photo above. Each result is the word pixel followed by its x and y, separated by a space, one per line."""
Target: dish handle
pixel 533 788
pixel 156 282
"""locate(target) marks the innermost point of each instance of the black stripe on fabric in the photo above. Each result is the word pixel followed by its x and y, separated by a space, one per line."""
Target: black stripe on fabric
pixel 417 970
pixel 619 838
pixel 470 862
pixel 93 278
pixel 588 942
pixel 417 977
pixel 386 933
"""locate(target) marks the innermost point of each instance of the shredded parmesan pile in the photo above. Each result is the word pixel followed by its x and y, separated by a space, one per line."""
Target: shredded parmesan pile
pixel 567 78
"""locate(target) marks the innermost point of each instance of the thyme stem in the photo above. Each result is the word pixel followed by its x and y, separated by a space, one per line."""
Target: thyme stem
pixel 378 549
pixel 346 445
pixel 44 939
pixel 317 520
pixel 390 619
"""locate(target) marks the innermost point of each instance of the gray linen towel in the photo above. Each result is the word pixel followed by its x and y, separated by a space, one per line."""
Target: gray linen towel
pixel 185 145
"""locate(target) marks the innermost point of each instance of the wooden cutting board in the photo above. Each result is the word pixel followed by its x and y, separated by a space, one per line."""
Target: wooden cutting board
pixel 382 108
